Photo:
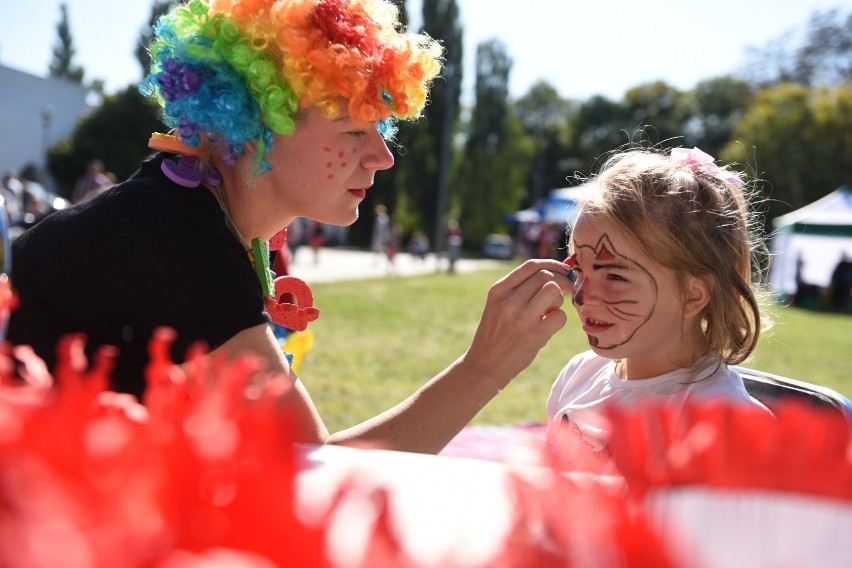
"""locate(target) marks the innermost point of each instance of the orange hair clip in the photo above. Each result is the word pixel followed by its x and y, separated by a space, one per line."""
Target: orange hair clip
pixel 170 143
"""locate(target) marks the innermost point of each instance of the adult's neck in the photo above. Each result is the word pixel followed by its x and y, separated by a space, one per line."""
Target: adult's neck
pixel 249 199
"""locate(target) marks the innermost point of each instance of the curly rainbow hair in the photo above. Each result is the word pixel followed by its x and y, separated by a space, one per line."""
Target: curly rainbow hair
pixel 230 72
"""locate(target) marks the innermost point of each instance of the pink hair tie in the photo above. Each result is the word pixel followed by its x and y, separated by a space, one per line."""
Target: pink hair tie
pixel 702 162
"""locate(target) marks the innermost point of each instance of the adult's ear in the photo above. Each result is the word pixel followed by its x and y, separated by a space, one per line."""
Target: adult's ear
pixel 697 294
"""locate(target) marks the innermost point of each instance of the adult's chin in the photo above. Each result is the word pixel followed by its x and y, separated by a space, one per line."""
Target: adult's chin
pixel 342 219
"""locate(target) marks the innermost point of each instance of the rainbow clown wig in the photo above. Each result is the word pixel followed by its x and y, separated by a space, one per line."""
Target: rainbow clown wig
pixel 230 72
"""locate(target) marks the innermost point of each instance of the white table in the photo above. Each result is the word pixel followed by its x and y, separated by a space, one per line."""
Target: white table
pixel 452 511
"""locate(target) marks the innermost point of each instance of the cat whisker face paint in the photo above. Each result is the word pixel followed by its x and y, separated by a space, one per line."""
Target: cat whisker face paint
pixel 616 295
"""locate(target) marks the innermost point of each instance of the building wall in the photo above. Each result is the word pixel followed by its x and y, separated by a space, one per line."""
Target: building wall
pixel 35 113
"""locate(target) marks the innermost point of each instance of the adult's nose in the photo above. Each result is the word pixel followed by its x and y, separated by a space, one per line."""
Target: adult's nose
pixel 378 156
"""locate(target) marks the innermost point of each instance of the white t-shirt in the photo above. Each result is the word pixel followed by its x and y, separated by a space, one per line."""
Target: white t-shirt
pixel 588 382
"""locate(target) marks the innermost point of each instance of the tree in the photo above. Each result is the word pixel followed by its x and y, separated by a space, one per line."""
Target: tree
pixel 715 107
pixel 545 118
pixel 826 56
pixel 652 114
pixel 493 169
pixel 117 133
pixel 655 113
pixel 422 175
pixel 797 139
pixel 62 66
pixel 823 57
pixel 596 128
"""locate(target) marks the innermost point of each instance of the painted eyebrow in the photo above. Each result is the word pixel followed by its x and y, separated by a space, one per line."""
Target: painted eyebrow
pixel 616 266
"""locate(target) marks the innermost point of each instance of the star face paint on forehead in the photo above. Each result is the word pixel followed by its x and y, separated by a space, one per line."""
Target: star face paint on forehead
pixel 615 295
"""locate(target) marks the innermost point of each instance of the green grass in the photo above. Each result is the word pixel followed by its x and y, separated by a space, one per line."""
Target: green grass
pixel 807 345
pixel 378 340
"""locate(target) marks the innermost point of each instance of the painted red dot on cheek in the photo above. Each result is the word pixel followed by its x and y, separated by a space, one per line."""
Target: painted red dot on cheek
pixel 329 164
pixel 326 149
pixel 343 164
pixel 330 177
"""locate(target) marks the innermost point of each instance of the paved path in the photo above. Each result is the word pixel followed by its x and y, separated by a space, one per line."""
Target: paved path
pixel 335 263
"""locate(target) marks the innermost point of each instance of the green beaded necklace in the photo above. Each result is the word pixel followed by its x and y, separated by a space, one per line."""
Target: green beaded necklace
pixel 258 252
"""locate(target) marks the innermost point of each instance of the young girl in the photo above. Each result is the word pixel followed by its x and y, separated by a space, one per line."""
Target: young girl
pixel 661 252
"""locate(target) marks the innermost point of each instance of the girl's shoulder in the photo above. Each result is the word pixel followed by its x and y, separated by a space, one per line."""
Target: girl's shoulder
pixel 716 380
pixel 585 360
pixel 582 367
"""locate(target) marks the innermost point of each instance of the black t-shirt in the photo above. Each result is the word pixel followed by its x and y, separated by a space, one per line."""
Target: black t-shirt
pixel 144 254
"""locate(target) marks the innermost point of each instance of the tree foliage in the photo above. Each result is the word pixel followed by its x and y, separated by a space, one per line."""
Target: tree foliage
pixel 62 65
pixel 494 164
pixel 597 126
pixel 116 133
pixel 789 125
pixel 798 140
pixel 714 107
pixel 426 144
pixel 656 109
pixel 823 57
pixel 544 116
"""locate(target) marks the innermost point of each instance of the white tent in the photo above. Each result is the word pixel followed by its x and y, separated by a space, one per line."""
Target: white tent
pixel 819 235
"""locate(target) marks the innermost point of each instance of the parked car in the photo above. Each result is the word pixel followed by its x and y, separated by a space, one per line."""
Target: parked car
pixel 501 247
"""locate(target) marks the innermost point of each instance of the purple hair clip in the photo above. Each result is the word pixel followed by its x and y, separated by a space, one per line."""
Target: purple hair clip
pixel 702 162
pixel 186 171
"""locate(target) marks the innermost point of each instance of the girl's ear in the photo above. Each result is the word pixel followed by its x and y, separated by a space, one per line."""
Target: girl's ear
pixel 697 295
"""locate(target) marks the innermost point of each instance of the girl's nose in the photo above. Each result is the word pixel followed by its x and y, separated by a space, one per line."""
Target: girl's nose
pixel 582 290
pixel 579 294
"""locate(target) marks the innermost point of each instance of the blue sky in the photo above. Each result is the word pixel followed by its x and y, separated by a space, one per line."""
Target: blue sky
pixel 582 48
